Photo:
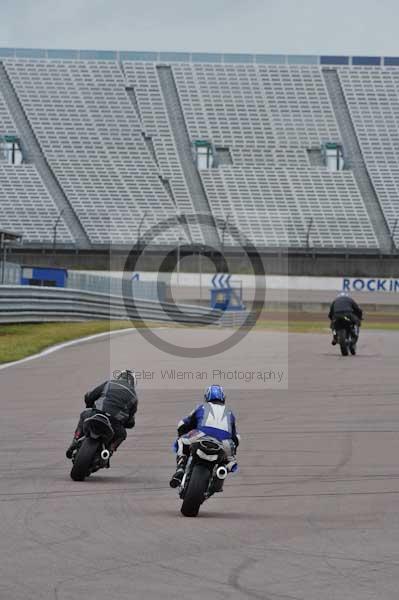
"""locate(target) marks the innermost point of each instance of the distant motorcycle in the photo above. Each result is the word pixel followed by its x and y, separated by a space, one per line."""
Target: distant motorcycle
pixel 205 472
pixel 346 335
pixel 93 449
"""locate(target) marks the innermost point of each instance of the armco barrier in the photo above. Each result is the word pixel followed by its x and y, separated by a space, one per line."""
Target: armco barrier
pixel 42 304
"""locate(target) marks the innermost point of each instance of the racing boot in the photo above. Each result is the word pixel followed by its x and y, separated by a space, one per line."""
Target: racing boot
pixel 71 449
pixel 178 476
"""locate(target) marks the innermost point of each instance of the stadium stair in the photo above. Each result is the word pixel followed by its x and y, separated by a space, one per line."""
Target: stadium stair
pixel 184 149
pixel 354 159
pixel 33 154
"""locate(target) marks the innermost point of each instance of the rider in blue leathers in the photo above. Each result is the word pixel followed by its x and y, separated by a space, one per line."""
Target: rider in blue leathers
pixel 212 418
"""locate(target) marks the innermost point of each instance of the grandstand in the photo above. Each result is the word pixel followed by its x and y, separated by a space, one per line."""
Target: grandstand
pixel 298 153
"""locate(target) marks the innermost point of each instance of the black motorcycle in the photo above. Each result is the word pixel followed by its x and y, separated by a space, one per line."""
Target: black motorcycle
pixel 205 472
pixel 93 452
pixel 345 334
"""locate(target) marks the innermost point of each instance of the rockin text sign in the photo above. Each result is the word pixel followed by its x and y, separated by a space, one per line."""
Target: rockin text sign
pixel 370 285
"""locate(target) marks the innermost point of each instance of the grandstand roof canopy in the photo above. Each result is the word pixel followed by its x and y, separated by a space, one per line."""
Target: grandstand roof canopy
pixel 202 57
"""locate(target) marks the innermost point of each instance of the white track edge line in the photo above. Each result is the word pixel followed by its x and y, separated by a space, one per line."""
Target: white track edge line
pixel 63 345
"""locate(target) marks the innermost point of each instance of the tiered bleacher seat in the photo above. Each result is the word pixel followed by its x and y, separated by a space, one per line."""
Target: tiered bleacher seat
pixel 7 125
pixel 278 156
pixel 273 207
pixel 268 116
pixel 91 136
pixel 261 118
pixel 27 208
pixel 372 96
pixel 143 78
pixel 299 105
pixel 225 104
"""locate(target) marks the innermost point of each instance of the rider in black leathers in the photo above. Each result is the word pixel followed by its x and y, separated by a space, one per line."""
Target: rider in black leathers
pixel 117 398
pixel 345 306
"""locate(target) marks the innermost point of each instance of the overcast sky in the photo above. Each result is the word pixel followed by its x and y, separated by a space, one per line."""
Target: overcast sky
pixel 255 26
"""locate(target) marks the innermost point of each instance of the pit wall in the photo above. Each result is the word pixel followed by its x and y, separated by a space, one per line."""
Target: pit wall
pixel 317 265
pixel 270 282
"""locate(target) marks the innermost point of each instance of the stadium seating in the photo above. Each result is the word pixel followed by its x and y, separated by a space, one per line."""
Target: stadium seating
pixel 372 96
pixel 91 138
pixel 152 111
pixel 27 207
pixel 299 105
pixel 7 125
pixel 110 139
pixel 277 156
pixel 225 104
pixel 273 207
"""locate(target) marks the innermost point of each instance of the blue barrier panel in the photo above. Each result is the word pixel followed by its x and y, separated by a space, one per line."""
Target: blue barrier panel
pixel 43 276
pixel 391 61
pixel 366 60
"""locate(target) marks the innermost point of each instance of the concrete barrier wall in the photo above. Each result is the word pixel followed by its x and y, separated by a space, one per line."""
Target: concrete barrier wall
pixel 270 282
pixel 312 264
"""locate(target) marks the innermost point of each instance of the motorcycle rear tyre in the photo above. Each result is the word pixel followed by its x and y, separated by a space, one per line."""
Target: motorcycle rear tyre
pixel 341 337
pixel 84 459
pixel 194 497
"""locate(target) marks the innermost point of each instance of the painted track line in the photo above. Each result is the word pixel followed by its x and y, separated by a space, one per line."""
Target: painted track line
pixel 57 347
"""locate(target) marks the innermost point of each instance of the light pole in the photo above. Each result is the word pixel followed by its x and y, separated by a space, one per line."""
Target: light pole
pixel 393 231
pixel 55 231
pixel 178 260
pixel 4 255
pixel 200 251
pixel 140 225
pixel 310 224
pixel 180 220
pixel 225 226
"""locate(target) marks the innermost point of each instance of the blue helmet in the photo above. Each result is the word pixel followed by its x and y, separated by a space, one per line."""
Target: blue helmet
pixel 215 393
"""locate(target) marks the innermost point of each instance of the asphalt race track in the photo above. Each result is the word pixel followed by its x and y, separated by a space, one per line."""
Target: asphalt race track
pixel 313 513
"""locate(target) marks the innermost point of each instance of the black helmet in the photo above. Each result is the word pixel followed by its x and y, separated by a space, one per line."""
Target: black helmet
pixel 128 375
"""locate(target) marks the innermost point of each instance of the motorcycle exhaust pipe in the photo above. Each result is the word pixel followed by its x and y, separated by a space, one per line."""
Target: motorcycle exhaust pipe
pixel 105 454
pixel 221 473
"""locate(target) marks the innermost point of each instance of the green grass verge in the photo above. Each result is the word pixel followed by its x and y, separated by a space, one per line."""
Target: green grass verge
pixel 317 326
pixel 18 341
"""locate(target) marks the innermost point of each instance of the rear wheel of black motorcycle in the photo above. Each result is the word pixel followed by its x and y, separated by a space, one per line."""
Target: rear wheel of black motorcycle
pixel 197 487
pixel 341 337
pixel 84 459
